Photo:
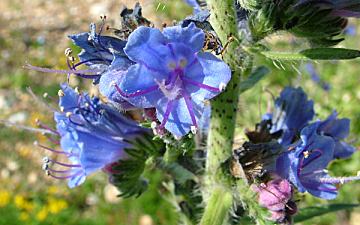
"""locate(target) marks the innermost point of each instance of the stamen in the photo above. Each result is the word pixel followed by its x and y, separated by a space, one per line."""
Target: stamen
pixel 58 171
pixel 193 129
pixel 68 52
pixel 36 143
pixel 90 60
pixel 190 107
pixel 312 159
pixel 77 72
pixel 200 85
pixel 169 108
pixel 338 180
pixel 61 93
pixel 43 126
pixel 137 93
pixel 222 86
pixel 62 178
pixel 64 164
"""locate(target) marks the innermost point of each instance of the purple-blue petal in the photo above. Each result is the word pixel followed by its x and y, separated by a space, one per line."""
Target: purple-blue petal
pixel 343 150
pixel 140 78
pixel 190 36
pixel 147 46
pixel 336 128
pixel 210 71
pixel 179 122
pixel 70 99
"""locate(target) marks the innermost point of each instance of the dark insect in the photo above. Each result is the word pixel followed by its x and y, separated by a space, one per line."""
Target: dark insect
pixel 251 160
pixel 262 133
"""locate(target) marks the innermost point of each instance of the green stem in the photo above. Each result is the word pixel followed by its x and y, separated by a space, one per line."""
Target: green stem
pixel 224 107
pixel 223 116
pixel 218 206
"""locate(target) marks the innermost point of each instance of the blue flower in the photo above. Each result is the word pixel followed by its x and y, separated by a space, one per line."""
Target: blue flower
pixel 305 162
pixel 92 136
pixel 338 129
pixel 292 112
pixel 172 74
pixel 105 55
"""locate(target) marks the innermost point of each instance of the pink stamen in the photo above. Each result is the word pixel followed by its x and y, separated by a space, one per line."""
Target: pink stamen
pixel 47 70
pixel 65 177
pixel 86 61
pixel 169 108
pixel 138 93
pixel 52 150
pixel 189 105
pixel 200 85
pixel 58 171
pixel 52 140
pixel 43 126
pixel 65 164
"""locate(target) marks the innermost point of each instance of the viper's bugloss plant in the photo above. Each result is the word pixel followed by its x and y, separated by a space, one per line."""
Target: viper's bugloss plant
pixel 168 101
pixel 92 136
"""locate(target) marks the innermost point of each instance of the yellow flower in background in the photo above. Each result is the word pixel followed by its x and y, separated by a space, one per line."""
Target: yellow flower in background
pixel 52 190
pixel 42 214
pixel 56 205
pixel 24 216
pixel 4 198
pixel 21 202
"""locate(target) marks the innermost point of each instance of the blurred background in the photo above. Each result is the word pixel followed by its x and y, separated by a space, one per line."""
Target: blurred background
pixel 35 32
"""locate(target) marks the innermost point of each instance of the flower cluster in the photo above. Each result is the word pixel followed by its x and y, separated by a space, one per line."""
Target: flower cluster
pixel 305 159
pixel 92 136
pixel 308 147
pixel 164 70
pixel 300 160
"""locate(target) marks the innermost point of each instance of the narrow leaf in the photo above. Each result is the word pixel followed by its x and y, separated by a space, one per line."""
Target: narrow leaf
pixel 310 212
pixel 314 54
pixel 254 78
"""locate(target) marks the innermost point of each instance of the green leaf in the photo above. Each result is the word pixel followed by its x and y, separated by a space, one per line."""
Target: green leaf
pixel 310 212
pixel 314 54
pixel 254 78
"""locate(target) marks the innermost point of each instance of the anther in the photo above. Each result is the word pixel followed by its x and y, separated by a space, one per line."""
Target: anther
pixel 46 160
pixel 45 95
pixel 222 86
pixel 68 52
pixel 45 166
pixel 77 90
pixel 62 108
pixel 61 93
pixel 68 114
pixel 47 172
pixel 193 129
pixel 306 154
pixel 153 125
pixel 71 58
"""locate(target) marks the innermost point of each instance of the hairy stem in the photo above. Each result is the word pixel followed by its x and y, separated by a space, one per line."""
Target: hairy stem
pixel 217 209
pixel 223 115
